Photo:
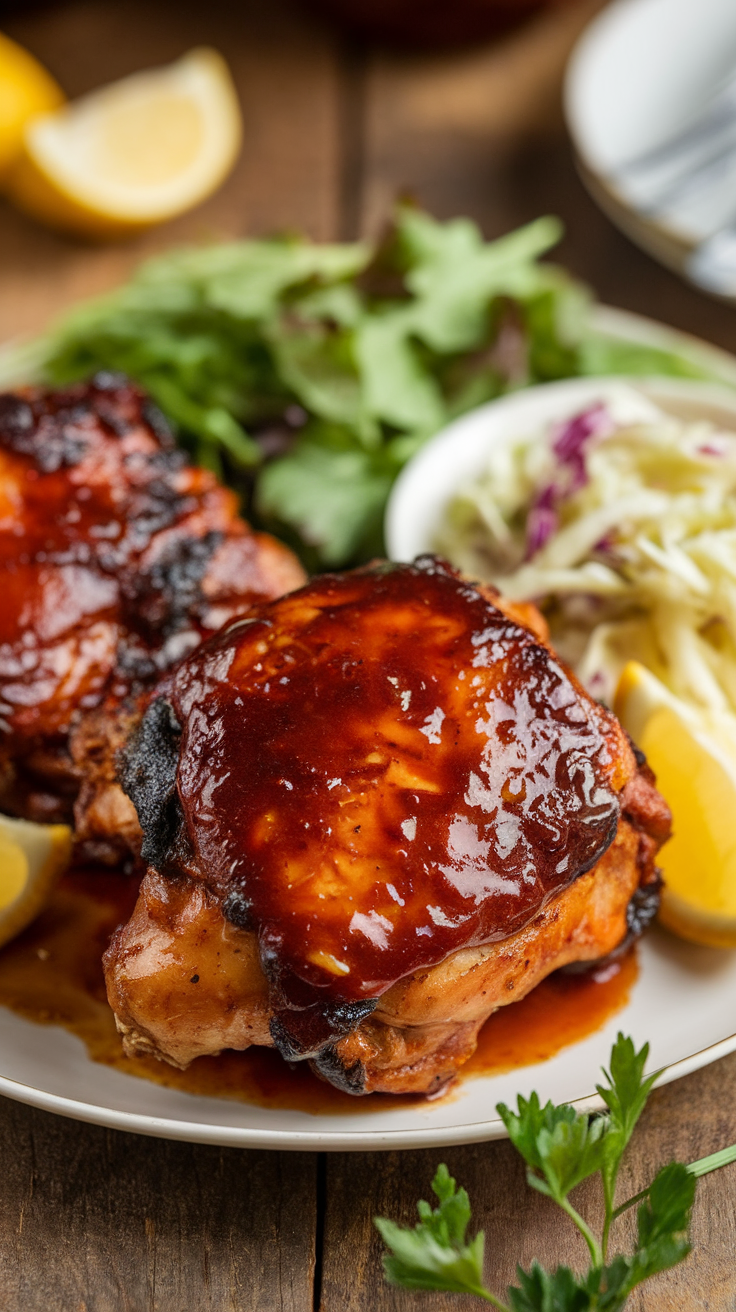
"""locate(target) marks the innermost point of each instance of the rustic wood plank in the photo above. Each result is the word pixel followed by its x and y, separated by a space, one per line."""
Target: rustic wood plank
pixel 94 1220
pixel 684 1121
pixel 288 176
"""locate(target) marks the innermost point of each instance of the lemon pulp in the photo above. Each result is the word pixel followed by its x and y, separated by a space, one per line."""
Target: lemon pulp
pixel 32 857
pixel 129 154
pixel 26 89
pixel 13 870
pixel 692 752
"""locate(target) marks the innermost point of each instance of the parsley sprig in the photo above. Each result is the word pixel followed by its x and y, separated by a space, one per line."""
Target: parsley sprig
pixel 561 1148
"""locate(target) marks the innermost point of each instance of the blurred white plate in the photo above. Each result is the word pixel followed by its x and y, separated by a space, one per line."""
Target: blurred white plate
pixel 640 72
pixel 683 1002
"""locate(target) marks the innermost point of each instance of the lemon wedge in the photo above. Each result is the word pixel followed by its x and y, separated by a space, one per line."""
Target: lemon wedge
pixel 132 154
pixel 693 754
pixel 26 89
pixel 32 857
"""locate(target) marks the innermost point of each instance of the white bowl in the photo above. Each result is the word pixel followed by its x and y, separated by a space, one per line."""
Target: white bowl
pixel 459 453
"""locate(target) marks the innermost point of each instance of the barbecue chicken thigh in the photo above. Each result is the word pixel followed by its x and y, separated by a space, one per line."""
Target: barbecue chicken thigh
pixel 116 558
pixel 374 811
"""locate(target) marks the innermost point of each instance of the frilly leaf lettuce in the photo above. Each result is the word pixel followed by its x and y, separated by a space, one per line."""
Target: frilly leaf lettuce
pixel 379 344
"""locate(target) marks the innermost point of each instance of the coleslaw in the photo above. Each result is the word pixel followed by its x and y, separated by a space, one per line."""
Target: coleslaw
pixel 623 530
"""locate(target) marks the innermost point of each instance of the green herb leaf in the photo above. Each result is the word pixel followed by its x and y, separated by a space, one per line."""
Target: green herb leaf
pixel 454 274
pixel 435 1255
pixel 609 355
pixel 625 1095
pixel 397 387
pixel 524 1125
pixel 385 342
pixel 317 363
pixel 562 1146
pixel 569 1153
pixel 626 1091
pixel 542 1291
pixel 331 495
pixel 662 1240
pixel 663 1221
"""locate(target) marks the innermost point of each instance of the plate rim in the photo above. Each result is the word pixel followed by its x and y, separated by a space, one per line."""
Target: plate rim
pixel 236 1136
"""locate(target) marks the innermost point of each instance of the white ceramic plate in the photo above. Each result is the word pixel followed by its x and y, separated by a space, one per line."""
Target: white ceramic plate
pixel 683 1002
pixel 640 72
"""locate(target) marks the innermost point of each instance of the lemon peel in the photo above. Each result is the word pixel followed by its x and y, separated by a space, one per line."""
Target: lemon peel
pixel 26 89
pixel 32 857
pixel 132 154
pixel 693 754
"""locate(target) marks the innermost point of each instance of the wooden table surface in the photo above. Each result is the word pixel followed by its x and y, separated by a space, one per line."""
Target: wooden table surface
pixel 98 1221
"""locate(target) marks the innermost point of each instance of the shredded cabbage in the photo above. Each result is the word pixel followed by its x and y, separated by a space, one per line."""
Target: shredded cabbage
pixel 625 535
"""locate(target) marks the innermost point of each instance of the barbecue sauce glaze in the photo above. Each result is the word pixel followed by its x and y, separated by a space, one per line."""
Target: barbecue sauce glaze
pixel 372 773
pixel 107 544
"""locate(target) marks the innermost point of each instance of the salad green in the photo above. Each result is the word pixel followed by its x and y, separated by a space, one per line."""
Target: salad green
pixel 307 375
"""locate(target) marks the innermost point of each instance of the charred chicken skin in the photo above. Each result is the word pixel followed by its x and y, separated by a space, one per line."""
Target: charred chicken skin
pixel 116 557
pixel 374 811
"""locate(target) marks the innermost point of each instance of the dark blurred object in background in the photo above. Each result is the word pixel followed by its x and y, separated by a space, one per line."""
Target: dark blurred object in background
pixel 18 8
pixel 424 24
pixel 408 24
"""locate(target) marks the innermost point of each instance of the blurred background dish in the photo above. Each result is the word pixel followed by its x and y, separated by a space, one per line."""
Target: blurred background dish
pixel 642 75
pixel 423 24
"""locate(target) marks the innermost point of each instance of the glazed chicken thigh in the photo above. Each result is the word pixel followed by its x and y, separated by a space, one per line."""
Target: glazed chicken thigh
pixel 116 557
pixel 374 811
